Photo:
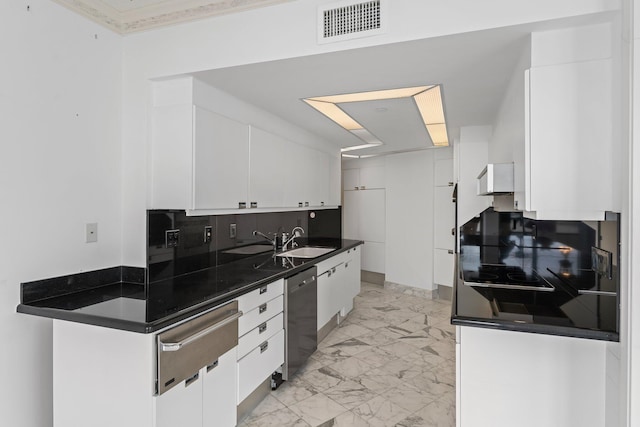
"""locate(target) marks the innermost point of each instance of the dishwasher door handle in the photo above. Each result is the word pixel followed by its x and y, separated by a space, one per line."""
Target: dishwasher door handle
pixel 175 346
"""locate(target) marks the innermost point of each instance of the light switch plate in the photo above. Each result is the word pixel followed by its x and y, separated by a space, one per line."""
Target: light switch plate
pixel 172 238
pixel 232 231
pixel 91 232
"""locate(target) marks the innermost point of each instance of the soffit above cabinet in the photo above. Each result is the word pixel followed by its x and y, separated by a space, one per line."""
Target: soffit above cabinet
pixel 128 16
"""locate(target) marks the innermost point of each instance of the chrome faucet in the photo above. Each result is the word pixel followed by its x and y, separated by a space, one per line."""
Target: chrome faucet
pixel 296 232
pixel 271 240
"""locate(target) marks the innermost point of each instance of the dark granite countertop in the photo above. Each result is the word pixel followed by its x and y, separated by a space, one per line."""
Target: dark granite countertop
pixel 127 303
pixel 582 304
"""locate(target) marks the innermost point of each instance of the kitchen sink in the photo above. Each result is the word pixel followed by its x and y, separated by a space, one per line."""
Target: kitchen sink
pixel 306 252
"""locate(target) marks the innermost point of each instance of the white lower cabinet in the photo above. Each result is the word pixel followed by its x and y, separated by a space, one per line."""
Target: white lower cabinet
pixel 259 364
pixel 219 386
pixel 260 337
pixel 338 284
pixel 182 405
pixel 205 400
pixel 507 379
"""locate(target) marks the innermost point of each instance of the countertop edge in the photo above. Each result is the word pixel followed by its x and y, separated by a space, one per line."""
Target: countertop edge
pixel 150 327
pixel 536 328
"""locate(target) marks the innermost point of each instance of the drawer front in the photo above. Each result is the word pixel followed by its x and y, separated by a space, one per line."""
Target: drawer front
pixel 258 365
pixel 260 334
pixel 253 299
pixel 260 314
pixel 334 261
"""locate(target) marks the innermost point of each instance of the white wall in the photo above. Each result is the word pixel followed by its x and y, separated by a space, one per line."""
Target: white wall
pixel 61 168
pixel 472 155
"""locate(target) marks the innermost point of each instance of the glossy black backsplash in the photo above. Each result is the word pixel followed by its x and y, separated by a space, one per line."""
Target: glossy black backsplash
pixel 193 253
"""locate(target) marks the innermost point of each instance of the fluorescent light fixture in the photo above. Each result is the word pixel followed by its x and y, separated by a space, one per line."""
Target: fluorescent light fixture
pixel 350 156
pixel 431 109
pixel 334 113
pixel 373 95
pixel 427 98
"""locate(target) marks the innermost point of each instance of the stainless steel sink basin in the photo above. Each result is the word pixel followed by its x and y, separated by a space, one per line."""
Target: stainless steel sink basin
pixel 305 252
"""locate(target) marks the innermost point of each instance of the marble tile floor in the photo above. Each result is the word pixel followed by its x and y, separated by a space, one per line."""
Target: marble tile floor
pixel 390 363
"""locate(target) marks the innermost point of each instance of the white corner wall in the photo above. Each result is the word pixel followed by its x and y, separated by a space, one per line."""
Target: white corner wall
pixel 61 167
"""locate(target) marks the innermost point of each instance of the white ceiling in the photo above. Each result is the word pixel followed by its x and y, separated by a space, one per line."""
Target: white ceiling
pixel 473 68
pixel 128 16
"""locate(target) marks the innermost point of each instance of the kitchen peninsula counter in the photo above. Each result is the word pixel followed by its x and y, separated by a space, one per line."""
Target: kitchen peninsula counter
pixel 536 276
pixel 120 298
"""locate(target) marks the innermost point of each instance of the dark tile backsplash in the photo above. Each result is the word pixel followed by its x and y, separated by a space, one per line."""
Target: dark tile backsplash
pixel 192 253
pixel 65 285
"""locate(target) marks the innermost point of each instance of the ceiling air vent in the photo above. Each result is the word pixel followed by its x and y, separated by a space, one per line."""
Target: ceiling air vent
pixel 348 20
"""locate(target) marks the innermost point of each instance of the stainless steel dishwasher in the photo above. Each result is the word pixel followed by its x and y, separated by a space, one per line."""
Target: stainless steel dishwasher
pixel 186 348
pixel 301 322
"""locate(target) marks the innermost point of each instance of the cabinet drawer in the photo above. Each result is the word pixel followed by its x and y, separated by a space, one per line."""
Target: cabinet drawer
pixel 261 295
pixel 259 364
pixel 333 262
pixel 257 336
pixel 260 314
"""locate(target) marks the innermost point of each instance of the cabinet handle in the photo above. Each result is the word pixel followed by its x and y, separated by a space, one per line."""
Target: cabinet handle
pixel 191 380
pixel 333 270
pixel 299 204
pixel 175 346
pixel 355 188
pixel 262 308
pixel 321 203
pixel 328 273
pixel 212 366
pixel 263 290
pixel 254 205
pixel 362 187
pixel 450 183
pixel 264 346
pixel 306 204
pixel 346 265
pixel 262 328
pixel 450 252
pixel 242 205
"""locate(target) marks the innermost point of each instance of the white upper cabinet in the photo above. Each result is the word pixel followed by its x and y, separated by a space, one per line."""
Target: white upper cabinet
pixel 364 178
pixel 266 176
pixel 205 161
pixel 443 174
pixel 566 170
pixel 220 166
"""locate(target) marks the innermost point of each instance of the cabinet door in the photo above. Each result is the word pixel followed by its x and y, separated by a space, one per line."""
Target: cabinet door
pixel 351 179
pixel 324 303
pixel 172 157
pixel 372 215
pixel 350 215
pixel 443 173
pixel 443 218
pixel 351 280
pixel 258 365
pixel 373 257
pixel 320 180
pixel 266 174
pixel 570 140
pixel 443 267
pixel 221 161
pixel 219 385
pixel 181 405
pixel 372 177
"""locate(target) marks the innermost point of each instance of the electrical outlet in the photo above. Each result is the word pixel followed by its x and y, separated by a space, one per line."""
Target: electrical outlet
pixel 91 232
pixel 172 238
pixel 232 231
pixel 208 233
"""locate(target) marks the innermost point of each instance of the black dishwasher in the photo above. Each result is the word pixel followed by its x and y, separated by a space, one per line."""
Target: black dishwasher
pixel 301 323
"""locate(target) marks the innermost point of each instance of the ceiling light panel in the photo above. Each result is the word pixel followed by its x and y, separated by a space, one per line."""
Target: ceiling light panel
pixel 334 112
pixel 438 134
pixel 373 95
pixel 430 105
